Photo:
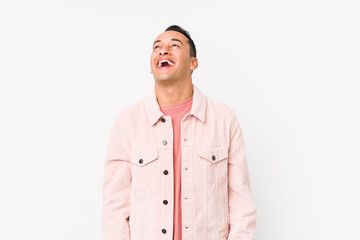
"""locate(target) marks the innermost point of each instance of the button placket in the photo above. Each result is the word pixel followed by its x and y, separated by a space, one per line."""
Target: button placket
pixel 184 127
pixel 187 131
pixel 166 136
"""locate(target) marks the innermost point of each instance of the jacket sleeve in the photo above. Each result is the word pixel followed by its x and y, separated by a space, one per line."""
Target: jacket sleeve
pixel 116 187
pixel 242 210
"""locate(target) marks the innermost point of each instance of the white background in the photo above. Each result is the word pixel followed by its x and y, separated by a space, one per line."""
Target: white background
pixel 289 69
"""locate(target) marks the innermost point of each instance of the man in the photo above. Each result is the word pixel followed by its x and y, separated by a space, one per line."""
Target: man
pixel 175 165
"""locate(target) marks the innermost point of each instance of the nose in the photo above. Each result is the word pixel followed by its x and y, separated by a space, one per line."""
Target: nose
pixel 164 51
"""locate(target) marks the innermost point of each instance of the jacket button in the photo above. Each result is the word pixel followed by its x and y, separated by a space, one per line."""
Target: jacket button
pixel 164 142
pixel 166 172
pixel 163 231
pixel 213 157
pixel 141 161
pixel 165 202
pixel 163 120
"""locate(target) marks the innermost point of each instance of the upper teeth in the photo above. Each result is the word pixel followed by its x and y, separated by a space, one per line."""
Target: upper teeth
pixel 162 61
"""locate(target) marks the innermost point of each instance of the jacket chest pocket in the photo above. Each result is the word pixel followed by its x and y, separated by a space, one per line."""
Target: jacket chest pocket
pixel 212 162
pixel 144 162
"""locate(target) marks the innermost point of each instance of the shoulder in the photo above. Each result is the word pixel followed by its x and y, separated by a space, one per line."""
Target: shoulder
pixel 131 111
pixel 219 108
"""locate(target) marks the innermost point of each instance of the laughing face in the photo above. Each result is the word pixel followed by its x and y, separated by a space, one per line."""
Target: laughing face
pixel 170 59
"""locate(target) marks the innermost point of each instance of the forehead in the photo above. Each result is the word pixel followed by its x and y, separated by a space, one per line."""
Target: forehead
pixel 168 35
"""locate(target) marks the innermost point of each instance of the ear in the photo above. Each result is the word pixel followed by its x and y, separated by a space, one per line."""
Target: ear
pixel 194 63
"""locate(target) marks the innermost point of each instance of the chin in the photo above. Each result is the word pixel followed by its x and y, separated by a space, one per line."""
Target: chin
pixel 163 79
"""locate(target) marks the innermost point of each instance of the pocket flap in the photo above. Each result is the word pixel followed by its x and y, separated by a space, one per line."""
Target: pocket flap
pixel 213 154
pixel 143 156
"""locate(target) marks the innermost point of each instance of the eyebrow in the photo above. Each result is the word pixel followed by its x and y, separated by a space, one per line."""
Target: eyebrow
pixel 173 39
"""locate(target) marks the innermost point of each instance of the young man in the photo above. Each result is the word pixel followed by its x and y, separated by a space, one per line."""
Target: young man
pixel 175 166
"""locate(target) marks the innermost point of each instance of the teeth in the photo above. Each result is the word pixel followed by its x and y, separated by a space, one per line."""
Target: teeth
pixel 160 63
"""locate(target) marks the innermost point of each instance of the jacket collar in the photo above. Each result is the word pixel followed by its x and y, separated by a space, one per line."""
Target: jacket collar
pixel 198 108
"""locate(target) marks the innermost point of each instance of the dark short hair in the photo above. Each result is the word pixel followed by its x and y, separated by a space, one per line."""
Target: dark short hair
pixel 179 29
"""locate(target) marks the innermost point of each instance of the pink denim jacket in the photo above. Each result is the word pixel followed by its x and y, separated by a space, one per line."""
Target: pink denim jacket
pixel 138 177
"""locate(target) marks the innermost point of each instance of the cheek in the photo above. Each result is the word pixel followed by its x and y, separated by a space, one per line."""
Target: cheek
pixel 185 63
pixel 152 64
pixel 152 57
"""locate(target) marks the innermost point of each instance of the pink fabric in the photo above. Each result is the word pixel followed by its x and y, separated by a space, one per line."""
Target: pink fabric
pixel 177 112
pixel 138 185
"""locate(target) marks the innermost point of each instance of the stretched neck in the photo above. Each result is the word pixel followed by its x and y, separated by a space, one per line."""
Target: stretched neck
pixel 171 94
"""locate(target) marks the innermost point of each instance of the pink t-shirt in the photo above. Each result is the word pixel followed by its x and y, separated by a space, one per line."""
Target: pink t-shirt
pixel 177 112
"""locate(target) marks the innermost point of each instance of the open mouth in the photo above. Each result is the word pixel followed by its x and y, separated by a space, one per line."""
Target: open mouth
pixel 165 63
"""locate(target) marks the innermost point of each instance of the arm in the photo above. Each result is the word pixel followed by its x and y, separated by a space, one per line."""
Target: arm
pixel 242 209
pixel 116 187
